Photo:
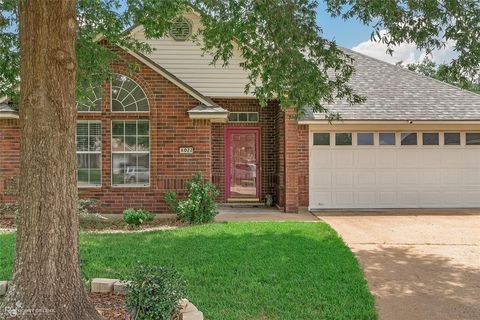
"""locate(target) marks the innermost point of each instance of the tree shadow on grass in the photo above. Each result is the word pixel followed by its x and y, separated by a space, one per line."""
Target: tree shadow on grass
pixel 409 284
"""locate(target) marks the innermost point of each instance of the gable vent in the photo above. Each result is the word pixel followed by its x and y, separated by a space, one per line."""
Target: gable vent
pixel 181 29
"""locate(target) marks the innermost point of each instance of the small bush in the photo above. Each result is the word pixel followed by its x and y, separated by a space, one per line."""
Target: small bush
pixel 88 209
pixel 7 209
pixel 154 292
pixel 199 206
pixel 136 218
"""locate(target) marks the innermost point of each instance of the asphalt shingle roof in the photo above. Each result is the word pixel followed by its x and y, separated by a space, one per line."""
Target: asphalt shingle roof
pixel 394 93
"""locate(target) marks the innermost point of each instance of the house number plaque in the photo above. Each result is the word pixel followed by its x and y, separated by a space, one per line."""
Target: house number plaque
pixel 186 150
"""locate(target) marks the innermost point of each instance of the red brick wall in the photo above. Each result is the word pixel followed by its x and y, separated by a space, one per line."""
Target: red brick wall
pixel 284 150
pixel 170 129
pixel 268 131
pixel 291 162
pixel 303 165
pixel 280 157
pixel 9 158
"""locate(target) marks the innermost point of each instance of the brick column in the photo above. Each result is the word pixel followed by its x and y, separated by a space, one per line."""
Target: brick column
pixel 291 162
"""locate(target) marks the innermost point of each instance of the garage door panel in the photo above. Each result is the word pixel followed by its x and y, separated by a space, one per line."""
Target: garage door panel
pixel 386 178
pixel 470 197
pixel 452 198
pixel 343 159
pixel 366 199
pixel 408 178
pixel 408 158
pixel 471 178
pixel 395 176
pixel 452 178
pixel 432 198
pixel 452 158
pixel 321 178
pixel 344 199
pixel 344 179
pixel 320 159
pixel 365 159
pixel 432 178
pixel 471 157
pixel 386 199
pixel 321 199
pixel 367 178
pixel 386 158
pixel 408 198
pixel 430 158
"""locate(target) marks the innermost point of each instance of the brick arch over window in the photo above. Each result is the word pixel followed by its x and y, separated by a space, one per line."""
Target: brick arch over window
pixel 127 95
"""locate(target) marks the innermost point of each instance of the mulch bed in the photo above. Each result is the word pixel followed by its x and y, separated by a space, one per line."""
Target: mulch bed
pixel 104 225
pixel 110 306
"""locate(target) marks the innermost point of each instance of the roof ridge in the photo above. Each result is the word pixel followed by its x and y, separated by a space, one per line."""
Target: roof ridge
pixel 393 66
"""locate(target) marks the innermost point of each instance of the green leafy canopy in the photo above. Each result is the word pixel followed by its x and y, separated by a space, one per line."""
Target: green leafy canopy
pixel 286 55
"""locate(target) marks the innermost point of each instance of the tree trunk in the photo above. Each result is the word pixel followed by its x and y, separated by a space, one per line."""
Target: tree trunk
pixel 46 280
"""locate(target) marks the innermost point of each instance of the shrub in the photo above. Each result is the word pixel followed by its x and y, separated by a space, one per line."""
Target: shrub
pixel 10 208
pixel 154 292
pixel 88 209
pixel 199 206
pixel 137 218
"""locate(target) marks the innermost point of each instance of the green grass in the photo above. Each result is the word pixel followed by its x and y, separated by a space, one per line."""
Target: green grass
pixel 274 270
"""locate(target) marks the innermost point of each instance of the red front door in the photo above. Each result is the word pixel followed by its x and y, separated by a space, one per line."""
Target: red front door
pixel 242 164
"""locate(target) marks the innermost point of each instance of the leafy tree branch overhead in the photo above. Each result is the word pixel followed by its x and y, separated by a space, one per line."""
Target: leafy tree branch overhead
pixel 429 24
pixel 285 52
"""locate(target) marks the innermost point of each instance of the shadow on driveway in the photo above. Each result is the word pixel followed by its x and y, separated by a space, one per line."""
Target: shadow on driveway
pixel 411 284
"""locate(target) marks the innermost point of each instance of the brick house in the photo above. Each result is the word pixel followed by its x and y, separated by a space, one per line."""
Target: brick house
pixel 415 143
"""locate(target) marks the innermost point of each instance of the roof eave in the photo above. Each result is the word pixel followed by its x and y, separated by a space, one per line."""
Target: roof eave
pixel 385 121
pixel 9 115
pixel 221 117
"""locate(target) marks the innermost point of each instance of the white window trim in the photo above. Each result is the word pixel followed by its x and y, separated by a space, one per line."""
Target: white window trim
pixel 128 112
pixel 93 112
pixel 92 186
pixel 131 152
pixel 247 121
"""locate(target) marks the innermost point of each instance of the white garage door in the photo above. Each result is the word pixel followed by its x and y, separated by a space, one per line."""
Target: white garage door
pixel 394 170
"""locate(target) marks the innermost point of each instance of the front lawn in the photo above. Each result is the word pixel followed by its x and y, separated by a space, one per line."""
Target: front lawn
pixel 270 270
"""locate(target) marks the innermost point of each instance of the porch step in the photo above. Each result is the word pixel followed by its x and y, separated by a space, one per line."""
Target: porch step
pixel 241 205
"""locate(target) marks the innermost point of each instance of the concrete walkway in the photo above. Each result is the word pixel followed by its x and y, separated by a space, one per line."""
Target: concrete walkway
pixel 417 267
pixel 260 214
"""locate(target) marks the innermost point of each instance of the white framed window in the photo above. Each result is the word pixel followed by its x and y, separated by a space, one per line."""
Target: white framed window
pixel 130 153
pixel 365 139
pixel 472 138
pixel 127 95
pixel 89 153
pixel 248 117
pixel 386 139
pixel 452 138
pixel 321 138
pixel 343 139
pixel 92 102
pixel 431 138
pixel 408 139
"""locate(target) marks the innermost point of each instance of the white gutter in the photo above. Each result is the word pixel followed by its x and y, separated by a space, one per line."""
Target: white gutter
pixel 9 115
pixel 373 122
pixel 213 117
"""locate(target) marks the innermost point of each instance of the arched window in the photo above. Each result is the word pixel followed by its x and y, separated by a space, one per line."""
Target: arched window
pixel 92 103
pixel 127 95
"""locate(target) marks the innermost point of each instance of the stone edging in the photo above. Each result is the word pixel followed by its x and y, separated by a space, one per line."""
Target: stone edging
pixel 188 311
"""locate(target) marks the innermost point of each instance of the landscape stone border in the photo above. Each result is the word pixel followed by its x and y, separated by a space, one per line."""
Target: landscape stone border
pixel 188 311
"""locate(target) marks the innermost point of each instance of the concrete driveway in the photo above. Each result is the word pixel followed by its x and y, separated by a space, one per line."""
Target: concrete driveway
pixel 417 267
